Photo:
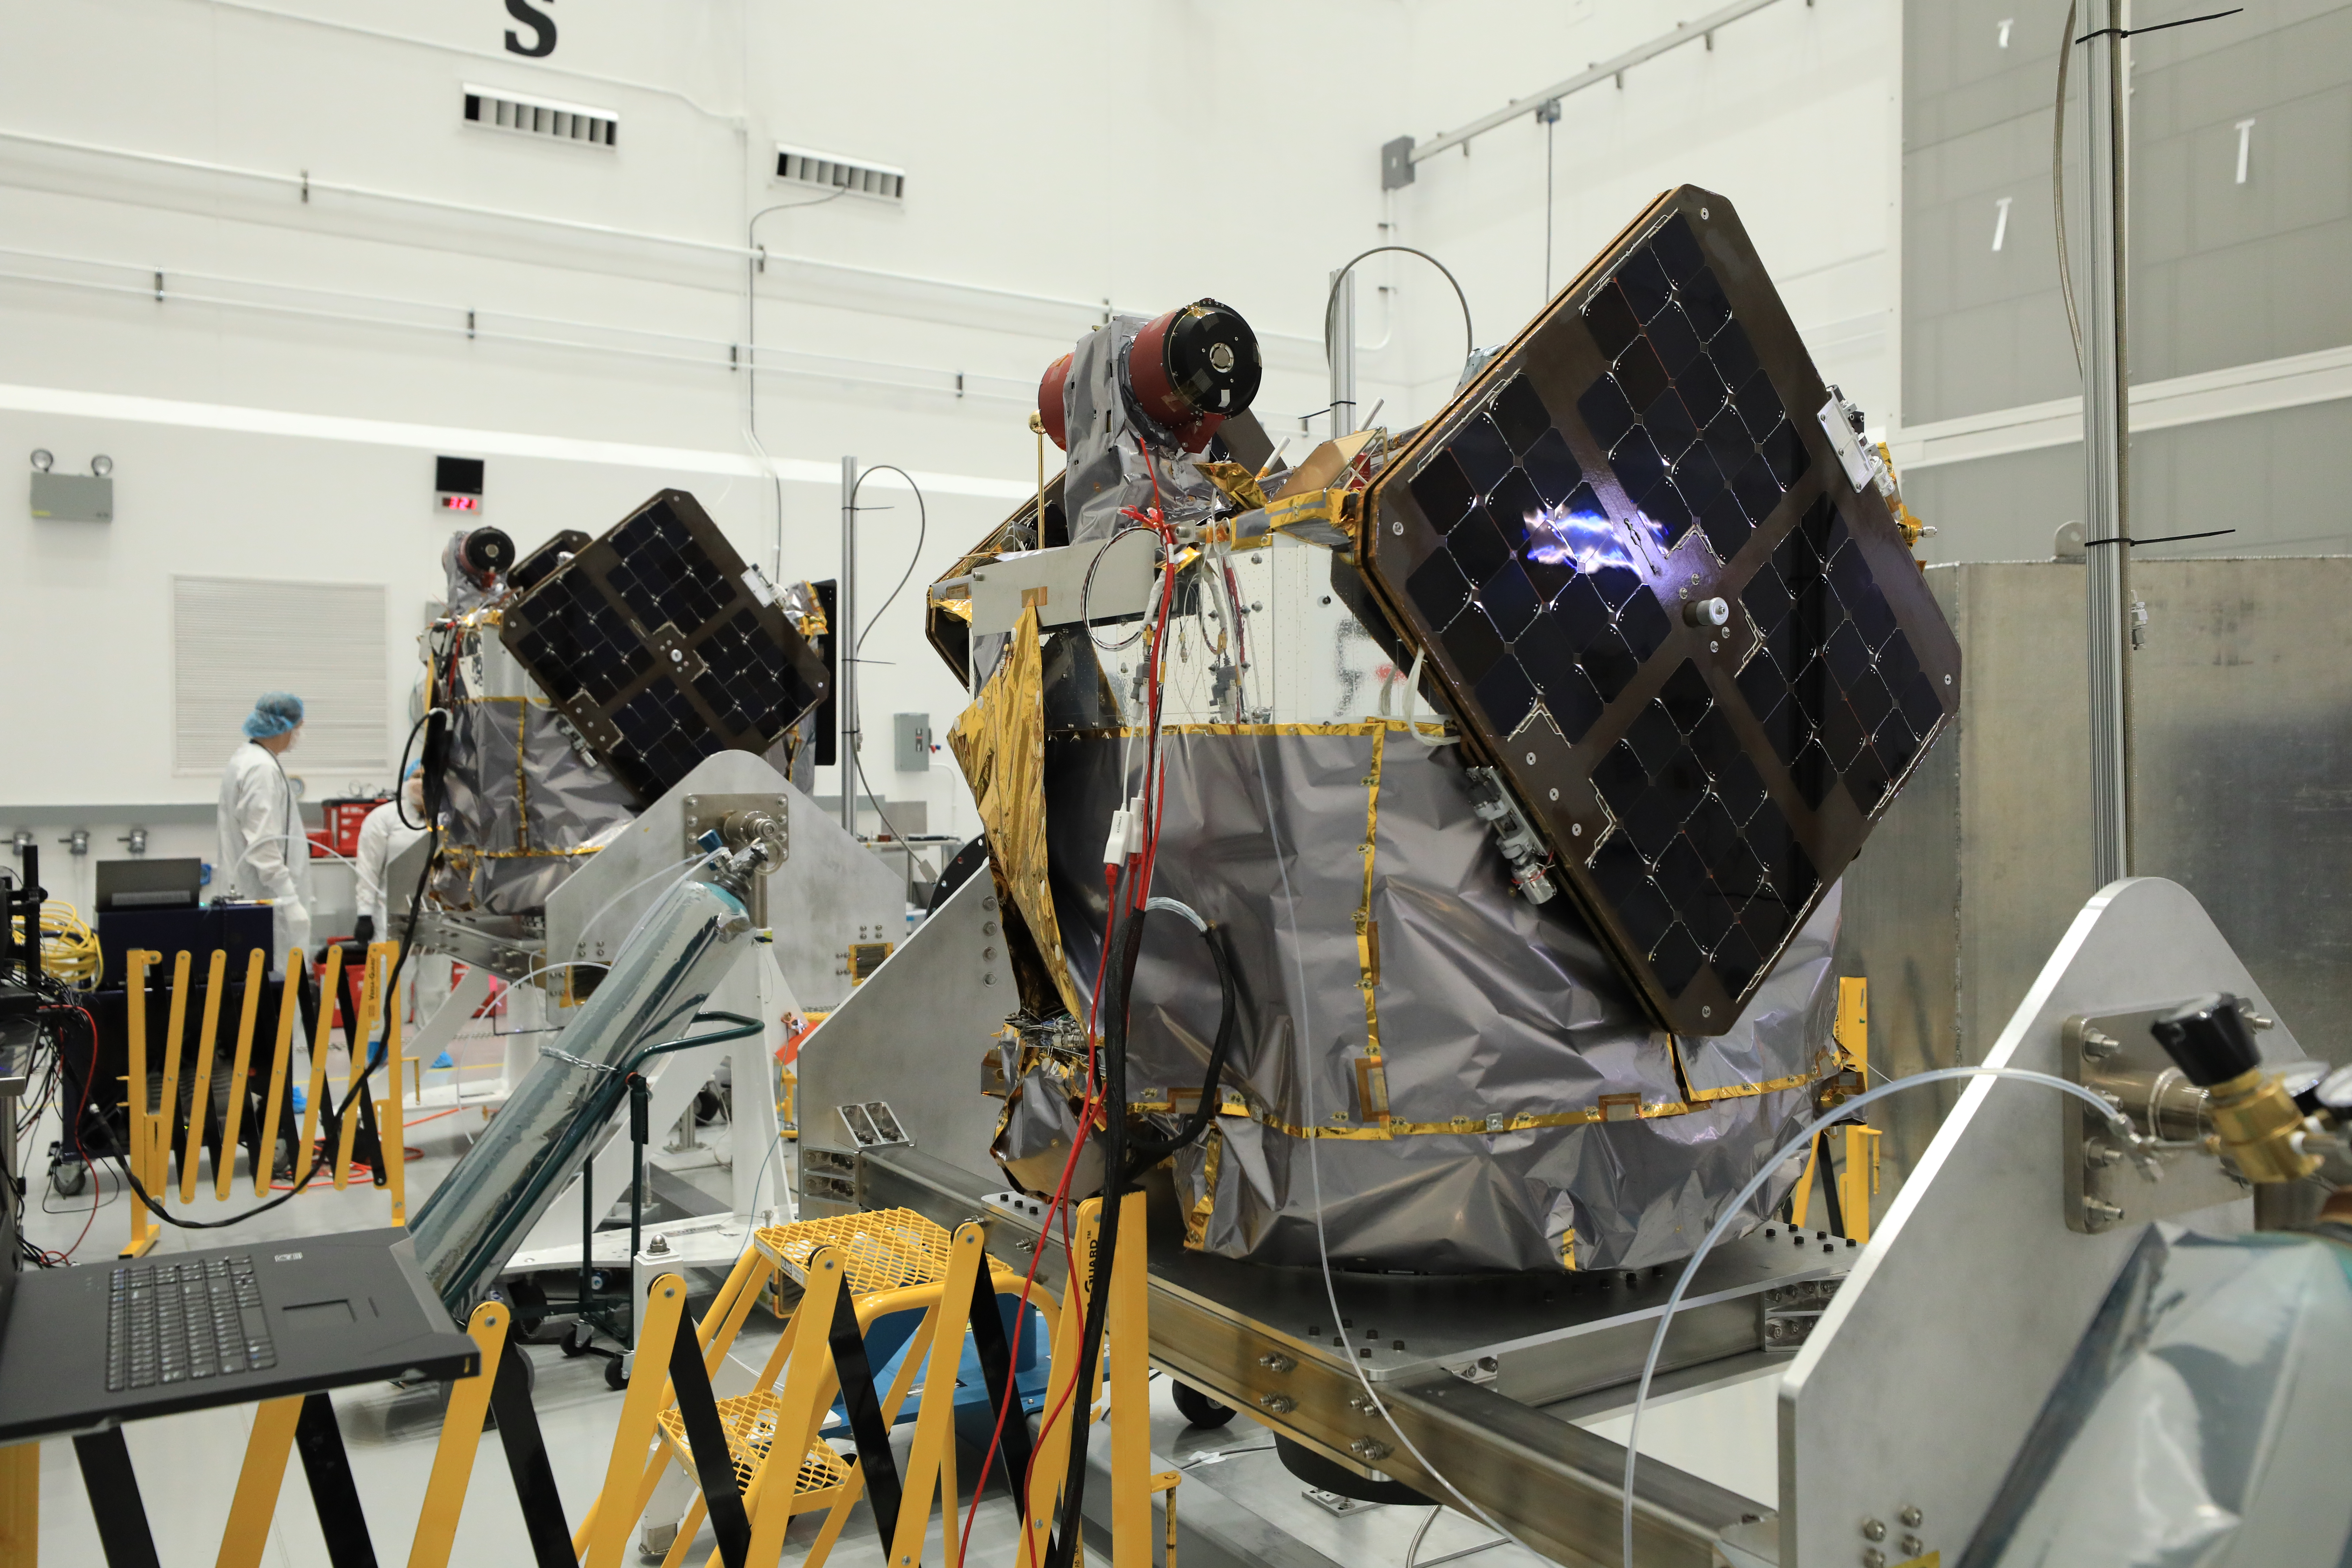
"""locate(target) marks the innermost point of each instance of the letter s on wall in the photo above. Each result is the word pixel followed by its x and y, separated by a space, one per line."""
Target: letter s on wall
pixel 542 26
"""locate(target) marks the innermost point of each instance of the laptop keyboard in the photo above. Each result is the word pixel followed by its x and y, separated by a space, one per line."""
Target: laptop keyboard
pixel 172 1323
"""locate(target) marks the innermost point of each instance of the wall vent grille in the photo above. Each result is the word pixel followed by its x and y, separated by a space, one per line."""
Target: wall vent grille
pixel 804 166
pixel 234 638
pixel 495 108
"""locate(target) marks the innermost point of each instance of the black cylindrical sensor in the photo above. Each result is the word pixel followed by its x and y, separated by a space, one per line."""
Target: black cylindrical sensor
pixel 487 552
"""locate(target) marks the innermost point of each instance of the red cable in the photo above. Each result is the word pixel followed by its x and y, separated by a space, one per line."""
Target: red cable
pixel 1057 1204
pixel 74 1130
pixel 1155 800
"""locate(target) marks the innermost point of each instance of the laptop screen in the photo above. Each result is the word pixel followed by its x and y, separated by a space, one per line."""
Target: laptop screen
pixel 145 884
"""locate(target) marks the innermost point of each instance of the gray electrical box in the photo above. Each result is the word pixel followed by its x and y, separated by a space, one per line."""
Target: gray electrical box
pixel 73 497
pixel 912 743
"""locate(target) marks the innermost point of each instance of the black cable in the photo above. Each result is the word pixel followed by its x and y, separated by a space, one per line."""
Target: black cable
pixel 2058 189
pixel 1331 301
pixel 1147 1151
pixel 399 805
pixel 332 1114
pixel 1113 1052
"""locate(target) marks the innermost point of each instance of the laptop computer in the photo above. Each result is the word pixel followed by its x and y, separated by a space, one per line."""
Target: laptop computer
pixel 144 884
pixel 90 1346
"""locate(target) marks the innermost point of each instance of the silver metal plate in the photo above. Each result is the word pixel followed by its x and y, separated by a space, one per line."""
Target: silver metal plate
pixel 2104 1187
pixel 1925 1373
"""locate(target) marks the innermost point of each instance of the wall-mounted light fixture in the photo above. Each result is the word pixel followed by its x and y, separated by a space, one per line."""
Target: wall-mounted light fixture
pixel 73 497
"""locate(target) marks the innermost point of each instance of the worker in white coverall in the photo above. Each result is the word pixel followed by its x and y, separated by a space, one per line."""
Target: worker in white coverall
pixel 385 835
pixel 263 853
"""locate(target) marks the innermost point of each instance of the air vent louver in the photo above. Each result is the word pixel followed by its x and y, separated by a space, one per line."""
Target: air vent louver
pixel 497 110
pixel 801 166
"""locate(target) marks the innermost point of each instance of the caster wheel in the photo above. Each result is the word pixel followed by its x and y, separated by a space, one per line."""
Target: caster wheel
pixel 67 1179
pixel 1198 1409
pixel 614 1378
pixel 574 1342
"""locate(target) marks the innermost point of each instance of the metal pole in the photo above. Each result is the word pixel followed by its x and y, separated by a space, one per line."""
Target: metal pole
pixel 1343 357
pixel 2107 437
pixel 845 642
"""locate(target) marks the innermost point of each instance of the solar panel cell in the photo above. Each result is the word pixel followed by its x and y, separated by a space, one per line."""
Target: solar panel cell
pixel 1646 409
pixel 654 644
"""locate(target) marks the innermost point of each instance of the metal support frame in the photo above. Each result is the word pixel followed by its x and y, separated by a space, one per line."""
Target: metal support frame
pixel 1925 1375
pixel 1342 352
pixel 1237 1332
pixel 2107 438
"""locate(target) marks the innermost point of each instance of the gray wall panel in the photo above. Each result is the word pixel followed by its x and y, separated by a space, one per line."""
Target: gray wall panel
pixel 2245 788
pixel 2223 274
pixel 2282 479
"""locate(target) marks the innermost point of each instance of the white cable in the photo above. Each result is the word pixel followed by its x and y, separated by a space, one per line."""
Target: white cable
pixel 684 877
pixel 631 887
pixel 1305 1033
pixel 1731 1211
pixel 1794 1146
pixel 1412 695
pixel 318 850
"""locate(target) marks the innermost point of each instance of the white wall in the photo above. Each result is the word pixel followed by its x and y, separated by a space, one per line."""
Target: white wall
pixel 1794 114
pixel 1140 154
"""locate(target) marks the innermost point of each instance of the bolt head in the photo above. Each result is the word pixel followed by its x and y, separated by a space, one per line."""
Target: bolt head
pixel 1874 1529
pixel 1912 1546
pixel 1911 1517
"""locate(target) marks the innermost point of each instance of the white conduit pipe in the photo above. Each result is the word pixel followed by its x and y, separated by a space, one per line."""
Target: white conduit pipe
pixel 312 184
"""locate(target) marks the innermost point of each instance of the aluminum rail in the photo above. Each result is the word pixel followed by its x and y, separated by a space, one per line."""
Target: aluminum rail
pixel 1554 1484
pixel 1591 76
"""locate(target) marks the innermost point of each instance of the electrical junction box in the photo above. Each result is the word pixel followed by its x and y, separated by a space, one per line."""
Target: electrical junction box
pixel 74 498
pixel 912 743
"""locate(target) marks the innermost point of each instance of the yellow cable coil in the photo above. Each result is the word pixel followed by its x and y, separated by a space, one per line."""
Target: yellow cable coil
pixel 887 1249
pixel 69 947
pixel 751 1423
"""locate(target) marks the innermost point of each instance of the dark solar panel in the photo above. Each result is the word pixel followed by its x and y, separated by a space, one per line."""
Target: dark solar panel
pixel 660 647
pixel 1652 442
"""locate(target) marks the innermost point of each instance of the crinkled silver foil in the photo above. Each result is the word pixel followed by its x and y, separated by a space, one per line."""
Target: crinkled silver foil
pixel 525 807
pixel 1486 1008
pixel 2202 1420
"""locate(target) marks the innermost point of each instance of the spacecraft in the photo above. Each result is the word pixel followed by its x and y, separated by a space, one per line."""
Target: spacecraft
pixel 1507 763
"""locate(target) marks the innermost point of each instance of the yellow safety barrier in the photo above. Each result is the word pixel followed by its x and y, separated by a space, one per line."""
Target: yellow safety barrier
pixel 280 1055
pixel 330 992
pixel 20 1504
pixel 239 1064
pixel 255 1503
pixel 143 1227
pixel 890 1261
pixel 360 1037
pixel 461 1433
pixel 151 1111
pixel 200 1083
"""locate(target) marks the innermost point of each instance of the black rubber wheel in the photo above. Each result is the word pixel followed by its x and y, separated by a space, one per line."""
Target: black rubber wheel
pixel 574 1342
pixel 1198 1409
pixel 614 1378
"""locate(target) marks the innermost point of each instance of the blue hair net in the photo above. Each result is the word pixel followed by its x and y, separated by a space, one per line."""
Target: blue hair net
pixel 274 713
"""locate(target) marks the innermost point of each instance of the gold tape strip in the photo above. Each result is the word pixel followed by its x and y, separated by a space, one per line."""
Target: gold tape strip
pixel 1525 1120
pixel 1373 1106
pixel 1359 727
